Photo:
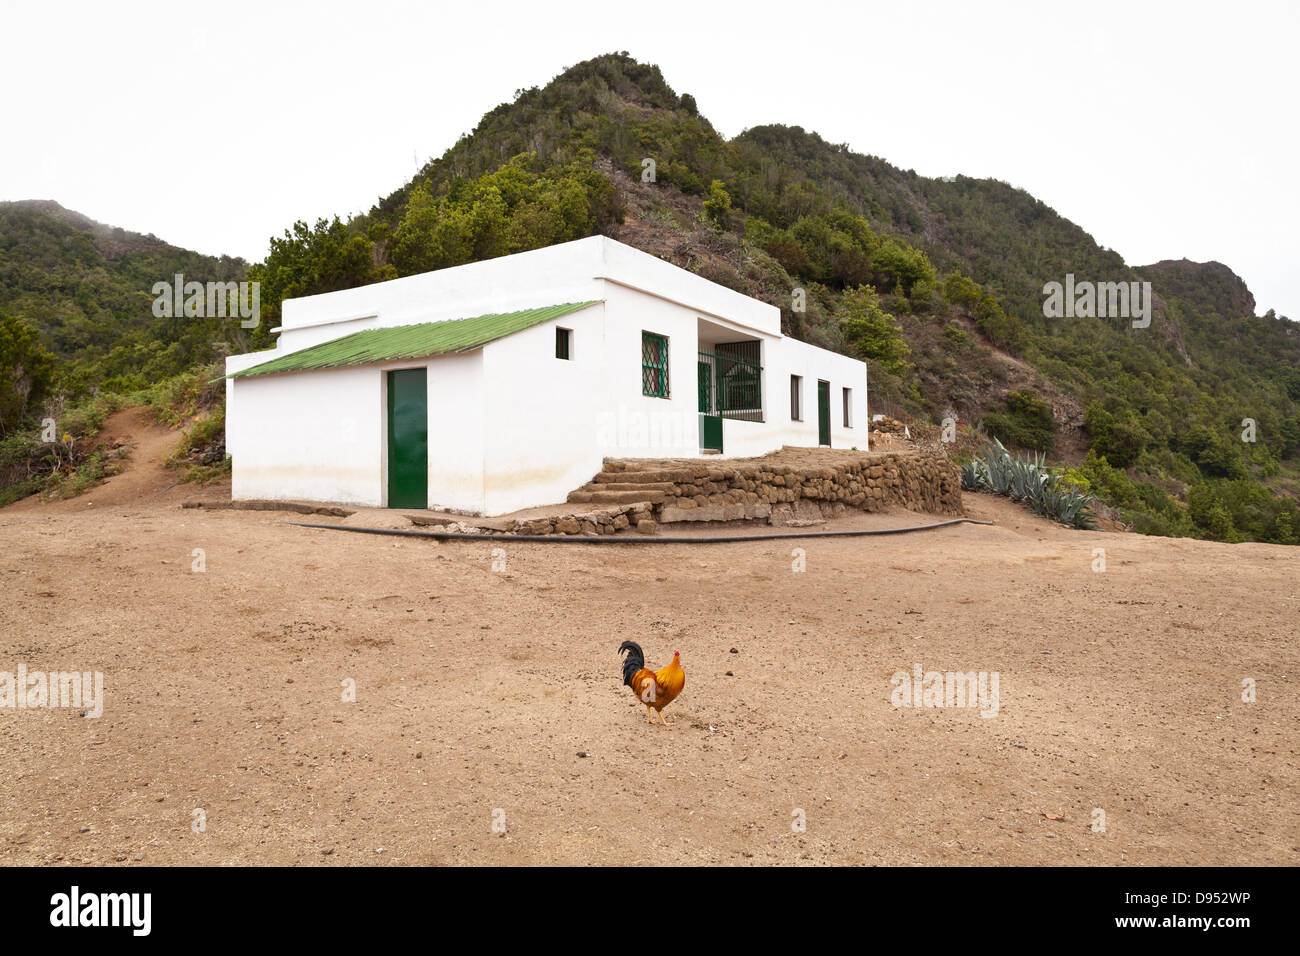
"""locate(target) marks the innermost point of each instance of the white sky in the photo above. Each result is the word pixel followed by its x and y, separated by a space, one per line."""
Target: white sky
pixel 1166 130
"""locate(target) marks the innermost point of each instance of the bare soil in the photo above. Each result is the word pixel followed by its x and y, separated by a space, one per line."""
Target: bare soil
pixel 487 695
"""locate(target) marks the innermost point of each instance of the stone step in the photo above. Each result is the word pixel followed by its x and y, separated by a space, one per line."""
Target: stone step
pixel 604 486
pixel 736 511
pixel 616 497
pixel 646 498
pixel 670 475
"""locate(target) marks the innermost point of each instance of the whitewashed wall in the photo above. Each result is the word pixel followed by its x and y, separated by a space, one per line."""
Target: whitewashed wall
pixel 310 436
pixel 633 425
pixel 539 435
pixel 458 432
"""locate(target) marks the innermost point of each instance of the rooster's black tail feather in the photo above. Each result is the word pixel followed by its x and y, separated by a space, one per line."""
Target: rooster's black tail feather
pixel 634 661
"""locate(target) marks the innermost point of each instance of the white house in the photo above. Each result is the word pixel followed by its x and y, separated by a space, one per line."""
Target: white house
pixel 503 384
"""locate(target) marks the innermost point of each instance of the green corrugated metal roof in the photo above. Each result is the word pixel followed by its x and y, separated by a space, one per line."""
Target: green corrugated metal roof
pixel 412 341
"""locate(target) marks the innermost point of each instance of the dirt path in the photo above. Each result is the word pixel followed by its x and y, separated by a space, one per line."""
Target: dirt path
pixel 480 691
pixel 145 477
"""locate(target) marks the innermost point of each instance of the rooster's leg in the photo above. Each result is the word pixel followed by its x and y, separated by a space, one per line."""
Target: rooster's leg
pixel 649 714
pixel 662 721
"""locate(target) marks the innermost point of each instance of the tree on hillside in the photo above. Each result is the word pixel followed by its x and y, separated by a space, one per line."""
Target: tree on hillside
pixel 717 208
pixel 962 291
pixel 1119 441
pixel 872 331
pixel 513 209
pixel 26 371
pixel 1027 422
pixel 903 265
pixel 308 260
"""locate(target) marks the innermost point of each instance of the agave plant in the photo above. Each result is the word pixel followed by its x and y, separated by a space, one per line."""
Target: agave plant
pixel 999 468
pixel 973 476
pixel 1026 478
pixel 1067 506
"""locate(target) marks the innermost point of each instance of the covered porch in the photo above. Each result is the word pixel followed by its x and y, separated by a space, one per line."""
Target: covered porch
pixel 729 377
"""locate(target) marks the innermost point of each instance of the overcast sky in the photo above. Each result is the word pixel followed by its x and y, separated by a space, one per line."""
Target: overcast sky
pixel 1164 130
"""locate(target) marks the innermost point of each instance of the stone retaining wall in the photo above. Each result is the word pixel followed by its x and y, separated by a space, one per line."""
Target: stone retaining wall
pixel 777 492
pixel 609 520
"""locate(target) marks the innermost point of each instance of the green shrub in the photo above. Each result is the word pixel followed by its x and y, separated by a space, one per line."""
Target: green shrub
pixel 954 335
pixel 1213 452
pixel 1121 442
pixel 1002 329
pixel 717 208
pixel 1112 484
pixel 202 434
pixel 1027 422
pixel 90 472
pixel 202 474
pixel 962 292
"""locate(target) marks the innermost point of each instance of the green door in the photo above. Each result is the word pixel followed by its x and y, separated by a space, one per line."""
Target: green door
pixel 824 413
pixel 710 424
pixel 408 439
pixel 711 433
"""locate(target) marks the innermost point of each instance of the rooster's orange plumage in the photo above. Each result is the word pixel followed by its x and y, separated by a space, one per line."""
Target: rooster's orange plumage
pixel 655 688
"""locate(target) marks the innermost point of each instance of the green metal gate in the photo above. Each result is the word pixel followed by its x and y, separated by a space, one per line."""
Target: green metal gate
pixel 408 439
pixel 710 421
pixel 731 386
pixel 824 413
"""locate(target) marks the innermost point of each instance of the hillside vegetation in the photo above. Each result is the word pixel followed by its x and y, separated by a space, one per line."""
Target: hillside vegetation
pixel 79 340
pixel 938 284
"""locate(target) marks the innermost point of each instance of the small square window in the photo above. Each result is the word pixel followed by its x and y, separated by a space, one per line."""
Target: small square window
pixel 654 365
pixel 563 343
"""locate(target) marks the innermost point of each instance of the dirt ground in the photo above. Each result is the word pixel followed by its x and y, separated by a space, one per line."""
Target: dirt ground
pixel 494 696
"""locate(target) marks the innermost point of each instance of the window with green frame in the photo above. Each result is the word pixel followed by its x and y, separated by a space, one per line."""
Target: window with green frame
pixel 654 365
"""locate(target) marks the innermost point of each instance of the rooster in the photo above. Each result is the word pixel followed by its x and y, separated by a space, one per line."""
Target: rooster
pixel 655 688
